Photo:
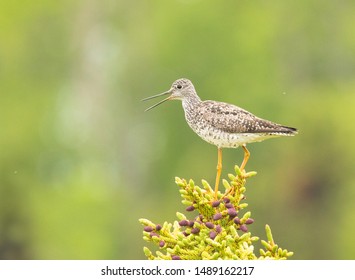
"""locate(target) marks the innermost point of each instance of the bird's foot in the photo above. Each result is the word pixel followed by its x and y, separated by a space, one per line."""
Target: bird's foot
pixel 241 173
pixel 230 189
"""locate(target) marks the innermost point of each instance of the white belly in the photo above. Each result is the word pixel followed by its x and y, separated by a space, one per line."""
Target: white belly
pixel 232 140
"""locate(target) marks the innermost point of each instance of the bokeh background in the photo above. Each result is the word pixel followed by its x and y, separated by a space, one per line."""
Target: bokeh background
pixel 80 161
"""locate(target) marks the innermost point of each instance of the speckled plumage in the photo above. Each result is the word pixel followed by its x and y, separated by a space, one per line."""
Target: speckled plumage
pixel 222 124
pixel 227 126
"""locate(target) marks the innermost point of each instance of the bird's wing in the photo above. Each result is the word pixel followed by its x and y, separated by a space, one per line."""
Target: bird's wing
pixel 232 119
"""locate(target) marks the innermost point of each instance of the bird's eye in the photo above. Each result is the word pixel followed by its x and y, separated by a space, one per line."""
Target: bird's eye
pixel 179 86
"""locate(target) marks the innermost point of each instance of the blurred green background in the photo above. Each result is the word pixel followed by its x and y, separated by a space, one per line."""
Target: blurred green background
pixel 80 161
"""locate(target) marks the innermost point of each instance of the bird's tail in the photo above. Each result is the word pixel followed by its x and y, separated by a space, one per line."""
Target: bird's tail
pixel 289 130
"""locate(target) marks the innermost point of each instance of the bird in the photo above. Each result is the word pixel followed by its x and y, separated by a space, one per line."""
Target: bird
pixel 221 124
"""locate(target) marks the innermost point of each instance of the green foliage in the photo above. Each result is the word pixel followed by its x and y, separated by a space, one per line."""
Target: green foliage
pixel 77 149
pixel 218 231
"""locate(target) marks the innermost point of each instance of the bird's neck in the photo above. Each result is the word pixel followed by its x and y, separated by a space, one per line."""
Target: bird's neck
pixel 191 106
pixel 191 102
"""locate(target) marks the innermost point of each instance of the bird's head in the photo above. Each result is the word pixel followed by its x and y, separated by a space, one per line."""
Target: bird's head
pixel 179 90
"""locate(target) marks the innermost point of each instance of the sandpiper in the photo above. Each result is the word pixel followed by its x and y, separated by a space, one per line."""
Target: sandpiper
pixel 221 124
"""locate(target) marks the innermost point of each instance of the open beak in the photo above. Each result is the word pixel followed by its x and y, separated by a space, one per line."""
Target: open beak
pixel 160 102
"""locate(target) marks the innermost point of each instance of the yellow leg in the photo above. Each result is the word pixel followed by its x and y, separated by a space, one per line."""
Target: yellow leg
pixel 219 170
pixel 246 157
